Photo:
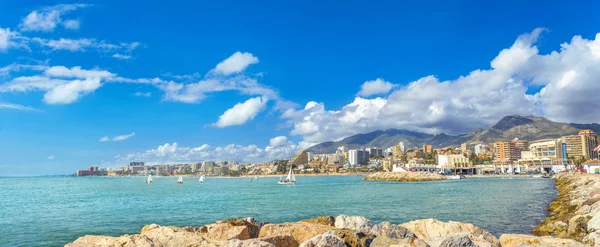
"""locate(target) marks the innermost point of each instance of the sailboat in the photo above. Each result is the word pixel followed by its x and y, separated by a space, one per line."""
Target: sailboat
pixel 201 180
pixel 255 177
pixel 290 179
pixel 180 180
pixel 149 179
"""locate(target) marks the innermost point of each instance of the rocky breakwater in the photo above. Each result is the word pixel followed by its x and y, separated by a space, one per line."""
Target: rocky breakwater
pixel 405 176
pixel 575 213
pixel 340 231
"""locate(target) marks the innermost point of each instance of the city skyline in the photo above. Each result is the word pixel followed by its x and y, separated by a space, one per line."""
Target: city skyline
pixel 105 84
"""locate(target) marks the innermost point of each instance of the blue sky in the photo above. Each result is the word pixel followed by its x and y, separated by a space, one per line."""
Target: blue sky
pixel 302 73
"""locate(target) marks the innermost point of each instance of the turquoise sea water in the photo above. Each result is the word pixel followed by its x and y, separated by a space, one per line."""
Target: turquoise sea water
pixel 55 211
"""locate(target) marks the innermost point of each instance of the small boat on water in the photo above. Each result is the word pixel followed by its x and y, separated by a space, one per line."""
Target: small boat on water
pixel 255 177
pixel 180 180
pixel 537 176
pixel 290 179
pixel 546 176
pixel 201 180
pixel 456 177
pixel 149 179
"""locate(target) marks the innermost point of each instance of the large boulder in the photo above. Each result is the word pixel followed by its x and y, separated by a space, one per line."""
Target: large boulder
pixel 230 229
pixel 300 231
pixel 165 236
pixel 323 220
pixel 357 223
pixel 577 226
pixel 434 232
pixel 392 231
pixel 383 241
pixel 353 238
pixel 457 241
pixel 96 241
pixel 519 240
pixel 281 241
pixel 594 223
pixel 362 224
pixel 324 240
pixel 244 243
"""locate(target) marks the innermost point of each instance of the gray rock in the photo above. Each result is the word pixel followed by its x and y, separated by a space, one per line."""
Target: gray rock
pixel 391 231
pixel 357 223
pixel 383 241
pixel 324 240
pixel 246 243
pixel 457 241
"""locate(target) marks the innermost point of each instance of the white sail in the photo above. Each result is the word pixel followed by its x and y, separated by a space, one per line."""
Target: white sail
pixel 201 179
pixel 289 176
pixel 255 177
pixel 180 179
pixel 149 179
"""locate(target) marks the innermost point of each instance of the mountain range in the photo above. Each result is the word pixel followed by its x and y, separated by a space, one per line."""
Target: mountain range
pixel 508 128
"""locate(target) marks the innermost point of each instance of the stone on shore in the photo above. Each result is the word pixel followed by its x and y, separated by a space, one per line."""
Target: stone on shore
pixel 281 241
pixel 324 240
pixel 383 241
pixel 362 224
pixel 300 231
pixel 323 220
pixel 405 176
pixel 434 232
pixel 520 240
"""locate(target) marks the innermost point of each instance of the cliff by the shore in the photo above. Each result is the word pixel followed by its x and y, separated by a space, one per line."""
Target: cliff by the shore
pixel 325 231
pixel 406 176
pixel 575 213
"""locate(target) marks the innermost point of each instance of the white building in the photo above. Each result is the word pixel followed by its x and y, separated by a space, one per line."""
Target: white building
pixel 451 161
pixel 387 152
pixel 310 156
pixel 375 152
pixel 402 148
pixel 358 157
pixel 479 148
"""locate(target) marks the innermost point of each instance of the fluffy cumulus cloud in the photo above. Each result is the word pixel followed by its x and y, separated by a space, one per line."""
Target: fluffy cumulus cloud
pixel 375 87
pixel 4 38
pixel 235 63
pixel 173 153
pixel 62 85
pixel 240 113
pixel 116 138
pixel 48 18
pixel 568 77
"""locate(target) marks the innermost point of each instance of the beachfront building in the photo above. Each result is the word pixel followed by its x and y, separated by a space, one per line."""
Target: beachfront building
pixel 358 157
pixel 428 148
pixel 454 161
pixel 506 153
pixel 543 155
pixel 592 166
pixel 582 145
pixel 374 152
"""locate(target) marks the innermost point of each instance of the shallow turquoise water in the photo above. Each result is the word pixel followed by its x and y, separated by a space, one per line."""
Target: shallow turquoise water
pixel 55 211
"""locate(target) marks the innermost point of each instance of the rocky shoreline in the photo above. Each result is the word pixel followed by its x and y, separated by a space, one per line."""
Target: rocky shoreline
pixel 340 231
pixel 405 176
pixel 574 221
pixel 575 213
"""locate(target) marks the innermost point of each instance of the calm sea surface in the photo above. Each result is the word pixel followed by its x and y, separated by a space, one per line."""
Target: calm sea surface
pixel 55 211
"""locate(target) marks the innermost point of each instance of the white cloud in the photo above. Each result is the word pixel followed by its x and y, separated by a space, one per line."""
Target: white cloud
pixel 173 153
pixel 71 91
pixel 121 56
pixel 374 87
pixel 46 19
pixel 4 38
pixel 235 63
pixel 76 72
pixel 569 78
pixel 117 138
pixel 71 24
pixel 85 44
pixel 51 157
pixel 279 141
pixel 143 94
pixel 10 106
pixel 240 113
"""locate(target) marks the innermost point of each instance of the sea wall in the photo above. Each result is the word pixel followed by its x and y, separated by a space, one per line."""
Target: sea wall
pixel 405 176
pixel 575 213
pixel 324 231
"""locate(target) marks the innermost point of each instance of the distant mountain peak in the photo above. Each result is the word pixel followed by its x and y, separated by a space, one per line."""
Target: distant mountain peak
pixel 515 126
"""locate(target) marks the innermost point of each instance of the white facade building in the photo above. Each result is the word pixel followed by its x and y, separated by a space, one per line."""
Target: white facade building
pixel 357 157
